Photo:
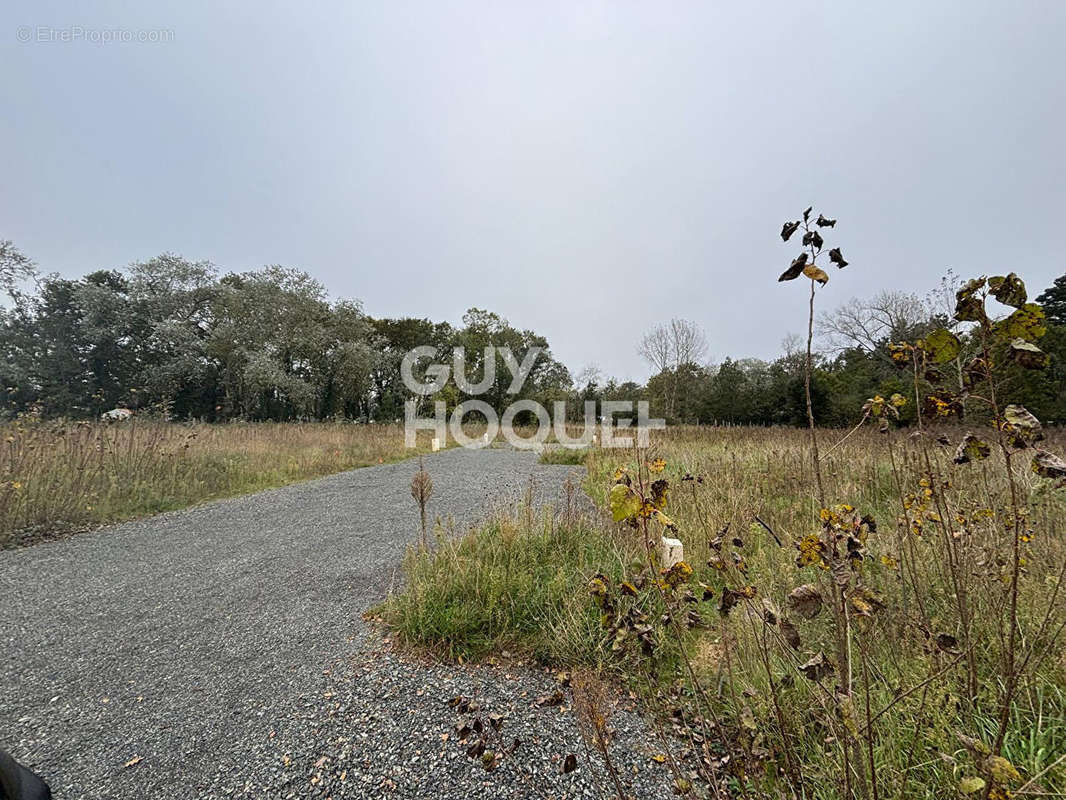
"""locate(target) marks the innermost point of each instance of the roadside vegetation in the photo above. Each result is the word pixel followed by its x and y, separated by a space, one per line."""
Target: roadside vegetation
pixel 864 613
pixel 564 455
pixel 57 476
pixel 577 591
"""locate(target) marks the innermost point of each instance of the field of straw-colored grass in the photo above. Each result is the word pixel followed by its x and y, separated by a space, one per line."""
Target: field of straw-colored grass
pixel 58 476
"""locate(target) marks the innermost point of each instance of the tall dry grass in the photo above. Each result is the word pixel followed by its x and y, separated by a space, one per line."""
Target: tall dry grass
pixel 57 476
pixel 754 710
pixel 928 652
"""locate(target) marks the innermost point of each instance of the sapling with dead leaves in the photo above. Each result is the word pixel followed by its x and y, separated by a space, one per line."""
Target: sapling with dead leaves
pixel 421 491
pixel 806 264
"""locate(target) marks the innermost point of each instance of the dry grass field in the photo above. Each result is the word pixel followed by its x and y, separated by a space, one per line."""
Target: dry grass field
pixel 57 476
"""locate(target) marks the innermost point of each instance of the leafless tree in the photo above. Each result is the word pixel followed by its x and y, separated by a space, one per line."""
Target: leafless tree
pixel 795 354
pixel 867 324
pixel 689 342
pixel 941 301
pixel 657 349
pixel 590 374
pixel 667 347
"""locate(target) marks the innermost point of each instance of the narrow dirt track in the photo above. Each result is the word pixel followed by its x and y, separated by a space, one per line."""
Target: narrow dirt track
pixel 219 652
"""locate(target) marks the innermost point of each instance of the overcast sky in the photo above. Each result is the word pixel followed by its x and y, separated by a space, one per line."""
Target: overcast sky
pixel 582 168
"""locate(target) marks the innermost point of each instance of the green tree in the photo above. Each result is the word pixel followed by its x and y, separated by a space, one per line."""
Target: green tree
pixel 15 267
pixel 1053 299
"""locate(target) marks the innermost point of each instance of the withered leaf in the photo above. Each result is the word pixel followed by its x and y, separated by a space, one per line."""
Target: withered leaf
pixel 659 490
pixel 817 667
pixel 836 257
pixel 1028 323
pixel 943 403
pixel 806 601
pixel 1027 354
pixel 841 573
pixel 770 611
pixel 968 306
pixel 824 222
pixel 795 269
pixel 1048 465
pixel 816 274
pixel 790 634
pixel 971 449
pixel 1024 427
pixel 807 213
pixel 1008 289
pixel 945 641
pixel 788 229
pixel 813 237
pixel 730 597
pixel 553 699
pixel 462 704
pixel 569 763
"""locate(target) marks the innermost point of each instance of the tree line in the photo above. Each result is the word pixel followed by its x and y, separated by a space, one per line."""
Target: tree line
pixel 178 338
pixel 186 340
pixel 854 363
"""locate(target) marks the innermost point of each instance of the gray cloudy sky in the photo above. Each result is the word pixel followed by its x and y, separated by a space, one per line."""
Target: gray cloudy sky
pixel 583 168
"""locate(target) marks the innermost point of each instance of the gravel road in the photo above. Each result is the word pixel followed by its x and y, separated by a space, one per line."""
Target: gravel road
pixel 219 652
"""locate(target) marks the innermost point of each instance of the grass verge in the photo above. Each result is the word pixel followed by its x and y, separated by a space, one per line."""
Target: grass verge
pixel 516 583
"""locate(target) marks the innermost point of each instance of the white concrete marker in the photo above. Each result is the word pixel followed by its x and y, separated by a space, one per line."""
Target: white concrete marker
pixel 436 444
pixel 672 552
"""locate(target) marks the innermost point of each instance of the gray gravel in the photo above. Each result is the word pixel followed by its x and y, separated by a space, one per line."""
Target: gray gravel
pixel 219 652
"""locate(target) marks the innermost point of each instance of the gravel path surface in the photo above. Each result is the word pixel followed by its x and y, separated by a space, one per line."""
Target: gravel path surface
pixel 219 652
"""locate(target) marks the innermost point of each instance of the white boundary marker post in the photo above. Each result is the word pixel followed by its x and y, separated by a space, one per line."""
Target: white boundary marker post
pixel 672 552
